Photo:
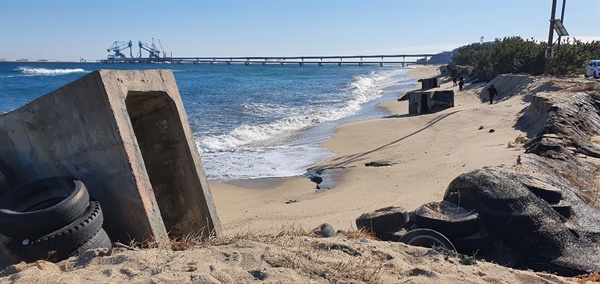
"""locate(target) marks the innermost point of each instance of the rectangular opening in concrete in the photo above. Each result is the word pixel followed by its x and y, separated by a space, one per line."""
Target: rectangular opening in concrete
pixel 424 103
pixel 167 160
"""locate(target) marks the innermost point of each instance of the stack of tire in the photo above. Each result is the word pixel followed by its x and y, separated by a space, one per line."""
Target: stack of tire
pixel 50 219
pixel 435 224
pixel 456 225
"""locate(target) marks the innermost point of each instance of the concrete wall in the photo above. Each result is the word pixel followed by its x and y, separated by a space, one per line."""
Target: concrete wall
pixel 421 102
pixel 125 134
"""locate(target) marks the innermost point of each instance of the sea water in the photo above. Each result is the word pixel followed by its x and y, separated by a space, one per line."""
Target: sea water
pixel 248 121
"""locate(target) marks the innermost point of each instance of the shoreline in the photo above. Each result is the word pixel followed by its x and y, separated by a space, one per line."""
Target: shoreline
pixel 264 196
pixel 424 154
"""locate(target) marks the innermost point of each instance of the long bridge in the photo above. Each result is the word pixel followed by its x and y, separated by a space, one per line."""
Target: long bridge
pixel 360 60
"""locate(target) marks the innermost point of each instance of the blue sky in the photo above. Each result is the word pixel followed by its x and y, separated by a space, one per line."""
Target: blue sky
pixel 73 29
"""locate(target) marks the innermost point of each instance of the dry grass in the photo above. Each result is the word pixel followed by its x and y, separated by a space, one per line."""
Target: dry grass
pixel 590 86
pixel 296 248
pixel 593 277
pixel 198 239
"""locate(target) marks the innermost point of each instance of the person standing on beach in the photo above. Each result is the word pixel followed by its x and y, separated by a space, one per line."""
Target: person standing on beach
pixel 453 81
pixel 461 83
pixel 492 92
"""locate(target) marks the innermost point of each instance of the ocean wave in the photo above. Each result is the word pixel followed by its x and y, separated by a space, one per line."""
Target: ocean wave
pixel 47 72
pixel 361 90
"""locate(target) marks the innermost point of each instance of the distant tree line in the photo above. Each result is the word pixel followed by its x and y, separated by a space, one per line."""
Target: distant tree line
pixel 518 55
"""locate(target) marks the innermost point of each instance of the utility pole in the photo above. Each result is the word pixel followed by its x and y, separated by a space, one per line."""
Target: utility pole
pixel 562 20
pixel 550 35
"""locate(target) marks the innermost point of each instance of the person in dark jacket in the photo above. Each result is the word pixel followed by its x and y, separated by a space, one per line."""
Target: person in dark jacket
pixel 492 93
pixel 461 83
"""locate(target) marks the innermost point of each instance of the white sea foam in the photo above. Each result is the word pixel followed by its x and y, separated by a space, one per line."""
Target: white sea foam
pixel 363 89
pixel 48 72
pixel 269 149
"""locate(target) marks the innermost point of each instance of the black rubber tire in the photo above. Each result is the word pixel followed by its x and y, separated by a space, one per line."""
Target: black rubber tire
pixel 64 241
pixel 550 195
pixel 563 209
pixel 43 206
pixel 384 219
pixel 7 178
pixel 427 238
pixel 520 232
pixel 390 236
pixel 462 224
pixel 506 223
pixel 99 240
pixel 479 243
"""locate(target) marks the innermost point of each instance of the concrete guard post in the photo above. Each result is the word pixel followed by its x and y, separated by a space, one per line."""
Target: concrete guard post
pixel 125 134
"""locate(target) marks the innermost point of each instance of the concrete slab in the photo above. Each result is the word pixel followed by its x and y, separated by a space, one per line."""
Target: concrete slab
pixel 125 134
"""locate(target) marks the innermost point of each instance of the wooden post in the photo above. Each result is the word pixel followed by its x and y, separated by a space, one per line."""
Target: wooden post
pixel 550 35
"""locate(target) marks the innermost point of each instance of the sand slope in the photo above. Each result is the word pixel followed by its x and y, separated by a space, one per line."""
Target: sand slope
pixel 424 154
pixel 287 258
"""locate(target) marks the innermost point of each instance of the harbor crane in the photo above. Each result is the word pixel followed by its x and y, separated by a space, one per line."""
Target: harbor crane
pixel 117 47
pixel 151 48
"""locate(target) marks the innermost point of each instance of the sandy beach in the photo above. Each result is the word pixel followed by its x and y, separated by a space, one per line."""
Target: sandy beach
pixel 268 224
pixel 424 154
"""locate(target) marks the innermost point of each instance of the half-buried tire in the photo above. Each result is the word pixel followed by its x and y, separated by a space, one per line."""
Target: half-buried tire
pixel 43 206
pixel 7 178
pixel 427 238
pixel 447 218
pixel 384 219
pixel 62 243
pixel 99 240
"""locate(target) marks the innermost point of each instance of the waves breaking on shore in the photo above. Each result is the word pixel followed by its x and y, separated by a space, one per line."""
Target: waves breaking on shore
pixel 288 145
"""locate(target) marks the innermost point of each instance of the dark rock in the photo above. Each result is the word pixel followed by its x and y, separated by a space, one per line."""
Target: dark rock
pixel 258 275
pixel 326 231
pixel 378 164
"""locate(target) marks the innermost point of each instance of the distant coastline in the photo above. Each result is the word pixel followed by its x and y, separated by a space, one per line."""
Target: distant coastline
pixel 31 60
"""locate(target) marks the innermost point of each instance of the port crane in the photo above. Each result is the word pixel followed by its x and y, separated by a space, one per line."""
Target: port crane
pixel 117 47
pixel 151 48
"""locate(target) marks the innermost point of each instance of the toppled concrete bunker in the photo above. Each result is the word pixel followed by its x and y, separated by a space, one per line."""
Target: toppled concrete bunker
pixel 422 102
pixel 125 134
pixel 430 98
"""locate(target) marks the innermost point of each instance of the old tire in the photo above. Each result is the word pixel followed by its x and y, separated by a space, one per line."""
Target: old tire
pixel 58 245
pixel 550 195
pixel 447 218
pixel 480 242
pixel 427 238
pixel 384 219
pixel 99 240
pixel 563 209
pixel 43 206
pixel 7 178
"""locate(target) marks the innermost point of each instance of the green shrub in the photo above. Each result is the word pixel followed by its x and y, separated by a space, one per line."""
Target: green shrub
pixel 518 55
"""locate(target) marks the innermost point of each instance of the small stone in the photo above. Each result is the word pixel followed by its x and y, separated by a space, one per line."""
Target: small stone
pixel 491 130
pixel 326 231
pixel 480 127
